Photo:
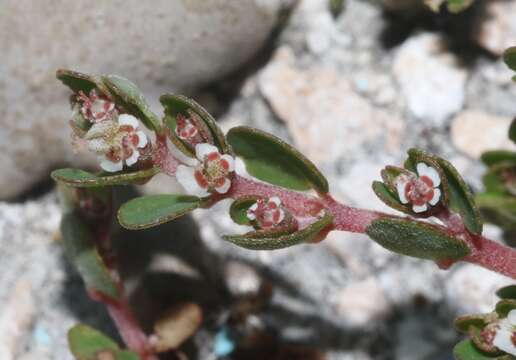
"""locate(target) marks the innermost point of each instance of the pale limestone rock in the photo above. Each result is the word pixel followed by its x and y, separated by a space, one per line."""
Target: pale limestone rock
pixel 430 78
pixel 474 132
pixel 497 29
pixel 326 118
pixel 165 47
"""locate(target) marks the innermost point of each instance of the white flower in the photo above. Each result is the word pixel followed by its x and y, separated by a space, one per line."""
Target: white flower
pixel 211 173
pixel 505 338
pixel 421 190
pixel 116 142
pixel 95 108
pixel 267 213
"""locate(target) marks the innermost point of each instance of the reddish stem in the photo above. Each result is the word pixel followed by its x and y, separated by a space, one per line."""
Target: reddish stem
pixel 493 256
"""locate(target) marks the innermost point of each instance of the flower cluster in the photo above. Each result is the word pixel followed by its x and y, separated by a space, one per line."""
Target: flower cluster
pixel 114 137
pixel 187 131
pixel 505 337
pixel 419 190
pixel 266 213
pixel 211 173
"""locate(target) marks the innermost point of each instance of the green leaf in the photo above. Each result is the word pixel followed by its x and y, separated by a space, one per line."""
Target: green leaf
pixel 239 207
pixel 81 178
pixel 336 7
pixel 498 209
pixel 503 307
pixel 389 198
pixel 460 198
pixel 86 342
pixel 463 323
pixel 258 240
pixel 466 350
pixel 509 56
pixel 152 210
pixel 416 239
pixel 270 159
pixel 175 104
pixel 490 158
pixel 507 292
pixel 456 6
pixel 129 97
pixel 80 248
pixel 77 81
pixel 512 131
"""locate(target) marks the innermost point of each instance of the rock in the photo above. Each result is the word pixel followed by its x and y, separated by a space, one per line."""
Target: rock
pixel 471 289
pixel 474 132
pixel 325 116
pixel 430 79
pixel 497 29
pixel 163 48
pixel 362 303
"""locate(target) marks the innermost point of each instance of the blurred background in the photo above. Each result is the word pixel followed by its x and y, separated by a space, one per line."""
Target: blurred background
pixel 352 92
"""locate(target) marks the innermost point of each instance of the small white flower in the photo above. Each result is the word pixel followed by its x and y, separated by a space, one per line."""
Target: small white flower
pixel 505 338
pixel 116 142
pixel 210 174
pixel 267 213
pixel 95 108
pixel 421 190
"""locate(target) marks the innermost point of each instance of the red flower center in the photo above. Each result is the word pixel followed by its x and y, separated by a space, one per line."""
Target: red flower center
pixel 420 190
pixel 213 171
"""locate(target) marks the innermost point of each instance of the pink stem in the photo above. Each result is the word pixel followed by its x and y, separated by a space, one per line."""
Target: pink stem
pixel 485 252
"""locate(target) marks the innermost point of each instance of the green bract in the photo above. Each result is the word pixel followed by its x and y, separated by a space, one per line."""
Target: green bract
pixel 79 247
pixel 466 350
pixel 128 96
pixel 270 159
pixel 276 239
pixel 179 104
pixel 509 56
pixel 152 210
pixel 507 292
pixel 239 207
pixel 416 239
pixel 87 343
pixel 77 81
pixel 81 178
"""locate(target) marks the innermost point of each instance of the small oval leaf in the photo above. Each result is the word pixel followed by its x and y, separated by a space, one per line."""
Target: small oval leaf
pixel 79 247
pixel 490 158
pixel 390 199
pixel 81 178
pixel 512 131
pixel 463 323
pixel 498 209
pixel 466 350
pixel 507 292
pixel 258 240
pixel 152 210
pixel 129 97
pixel 509 56
pixel 503 307
pixel 86 342
pixel 270 159
pixel 460 197
pixel 416 239
pixel 176 104
pixel 77 81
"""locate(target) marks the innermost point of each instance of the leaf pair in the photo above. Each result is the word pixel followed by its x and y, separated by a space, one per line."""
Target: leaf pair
pixel 473 325
pixel 125 93
pixel 456 194
pixel 87 343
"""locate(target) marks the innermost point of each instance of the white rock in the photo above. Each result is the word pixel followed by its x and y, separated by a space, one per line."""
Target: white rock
pixel 326 118
pixel 497 30
pixel 471 289
pixel 164 47
pixel 430 78
pixel 474 132
pixel 362 303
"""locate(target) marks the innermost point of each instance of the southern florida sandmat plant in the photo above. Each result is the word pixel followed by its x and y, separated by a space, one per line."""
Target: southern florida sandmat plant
pixel 277 192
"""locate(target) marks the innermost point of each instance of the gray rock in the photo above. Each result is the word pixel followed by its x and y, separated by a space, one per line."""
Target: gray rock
pixel 164 47
pixel 430 79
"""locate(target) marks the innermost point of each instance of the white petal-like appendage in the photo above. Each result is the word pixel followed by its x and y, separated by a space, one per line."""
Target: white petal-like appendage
pixel 225 187
pixel 142 139
pixel 511 317
pixel 419 209
pixel 400 186
pixel 230 160
pixel 131 160
pixel 126 119
pixel 421 168
pixel 250 212
pixel 276 200
pixel 185 176
pixel 201 150
pixel 502 340
pixel 436 197
pixel 110 166
pixel 282 216
pixel 430 172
